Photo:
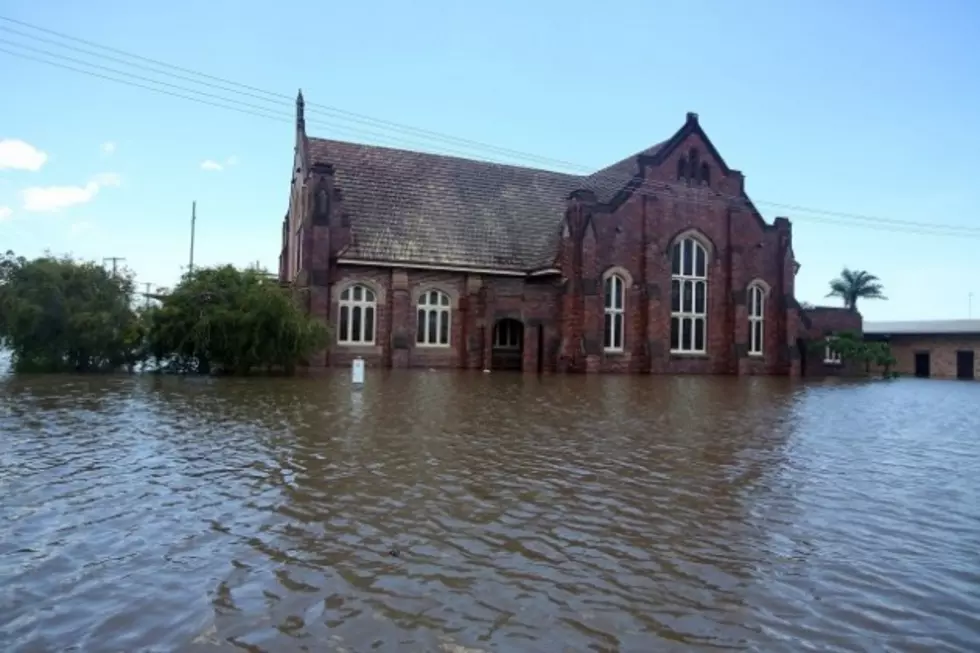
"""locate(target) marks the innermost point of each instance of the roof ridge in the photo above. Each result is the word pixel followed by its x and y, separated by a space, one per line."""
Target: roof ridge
pixel 453 157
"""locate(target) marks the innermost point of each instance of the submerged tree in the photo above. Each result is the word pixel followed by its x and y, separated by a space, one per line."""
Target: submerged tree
pixel 59 314
pixel 853 285
pixel 233 321
pixel 853 348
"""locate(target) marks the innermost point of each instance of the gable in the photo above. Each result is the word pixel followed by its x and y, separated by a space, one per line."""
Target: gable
pixel 692 127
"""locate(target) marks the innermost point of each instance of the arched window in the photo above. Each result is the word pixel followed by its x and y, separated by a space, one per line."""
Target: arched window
pixel 357 307
pixel 689 297
pixel 322 202
pixel 432 329
pixel 508 334
pixel 693 163
pixel 682 168
pixel 706 174
pixel 757 312
pixel 615 327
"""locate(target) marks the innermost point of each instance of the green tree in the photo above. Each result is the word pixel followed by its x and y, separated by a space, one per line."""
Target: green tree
pixel 854 349
pixel 233 321
pixel 59 315
pixel 853 285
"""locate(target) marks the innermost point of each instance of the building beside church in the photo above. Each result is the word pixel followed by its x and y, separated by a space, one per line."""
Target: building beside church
pixel 659 263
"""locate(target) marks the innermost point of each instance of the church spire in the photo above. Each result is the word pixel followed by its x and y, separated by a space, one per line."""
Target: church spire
pixel 300 109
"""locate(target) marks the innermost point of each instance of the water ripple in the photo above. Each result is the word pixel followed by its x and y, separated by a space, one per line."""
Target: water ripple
pixel 470 513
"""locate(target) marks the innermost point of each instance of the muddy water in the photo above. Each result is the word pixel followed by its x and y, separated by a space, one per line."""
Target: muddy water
pixel 452 512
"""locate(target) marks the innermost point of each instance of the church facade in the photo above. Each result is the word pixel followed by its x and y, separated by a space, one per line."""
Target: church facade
pixel 659 263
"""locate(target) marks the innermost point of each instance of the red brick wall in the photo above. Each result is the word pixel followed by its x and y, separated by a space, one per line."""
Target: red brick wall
pixel 636 239
pixel 477 302
pixel 821 322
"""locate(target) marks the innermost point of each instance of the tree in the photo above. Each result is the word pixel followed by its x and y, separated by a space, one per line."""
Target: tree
pixel 853 348
pixel 232 321
pixel 852 285
pixel 58 314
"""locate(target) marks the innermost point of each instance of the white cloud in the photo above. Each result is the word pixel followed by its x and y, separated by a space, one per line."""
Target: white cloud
pixel 51 199
pixel 5 213
pixel 213 166
pixel 108 148
pixel 20 155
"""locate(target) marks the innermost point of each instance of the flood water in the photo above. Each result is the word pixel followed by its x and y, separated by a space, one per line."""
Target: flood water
pixel 468 512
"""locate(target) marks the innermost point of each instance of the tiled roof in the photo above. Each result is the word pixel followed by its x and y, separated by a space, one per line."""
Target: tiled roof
pixel 931 327
pixel 610 180
pixel 414 207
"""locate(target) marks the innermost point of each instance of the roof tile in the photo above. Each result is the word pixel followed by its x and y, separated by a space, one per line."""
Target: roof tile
pixel 416 207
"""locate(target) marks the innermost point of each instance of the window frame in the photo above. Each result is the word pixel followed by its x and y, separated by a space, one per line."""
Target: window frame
pixel 757 319
pixel 614 317
pixel 831 357
pixel 443 309
pixel 516 332
pixel 693 280
pixel 362 305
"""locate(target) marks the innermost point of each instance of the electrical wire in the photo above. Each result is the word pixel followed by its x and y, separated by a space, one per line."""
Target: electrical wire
pixel 599 181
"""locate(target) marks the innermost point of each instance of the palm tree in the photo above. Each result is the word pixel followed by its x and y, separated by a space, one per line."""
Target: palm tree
pixel 852 285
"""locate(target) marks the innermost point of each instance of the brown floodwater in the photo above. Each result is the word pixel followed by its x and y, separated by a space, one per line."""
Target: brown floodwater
pixel 438 511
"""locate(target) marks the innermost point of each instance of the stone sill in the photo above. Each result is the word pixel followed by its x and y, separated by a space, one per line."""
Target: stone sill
pixel 689 357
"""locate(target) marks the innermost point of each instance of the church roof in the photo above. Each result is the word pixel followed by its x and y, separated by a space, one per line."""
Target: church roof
pixel 430 209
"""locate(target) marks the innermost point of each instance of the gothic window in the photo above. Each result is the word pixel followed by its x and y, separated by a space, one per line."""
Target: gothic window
pixel 757 311
pixel 689 297
pixel 357 310
pixel 615 328
pixel 705 174
pixel 682 168
pixel 432 329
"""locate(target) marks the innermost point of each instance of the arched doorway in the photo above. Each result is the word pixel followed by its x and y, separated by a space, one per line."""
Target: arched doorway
pixel 507 352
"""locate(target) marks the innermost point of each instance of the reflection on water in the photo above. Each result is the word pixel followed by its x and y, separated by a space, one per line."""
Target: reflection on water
pixel 437 511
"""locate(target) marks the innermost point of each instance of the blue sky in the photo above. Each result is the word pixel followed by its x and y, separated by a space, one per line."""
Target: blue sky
pixel 860 108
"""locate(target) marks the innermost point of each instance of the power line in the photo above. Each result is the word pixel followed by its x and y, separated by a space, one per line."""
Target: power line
pixel 115 260
pixel 259 111
pixel 898 225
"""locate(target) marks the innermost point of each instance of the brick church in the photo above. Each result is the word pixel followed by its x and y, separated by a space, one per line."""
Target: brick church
pixel 659 263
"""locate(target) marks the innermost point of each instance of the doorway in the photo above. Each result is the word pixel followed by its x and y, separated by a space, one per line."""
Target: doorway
pixel 801 350
pixel 964 364
pixel 922 364
pixel 507 352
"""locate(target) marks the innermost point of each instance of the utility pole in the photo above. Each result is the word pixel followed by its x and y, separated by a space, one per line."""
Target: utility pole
pixel 115 260
pixel 190 266
pixel 146 295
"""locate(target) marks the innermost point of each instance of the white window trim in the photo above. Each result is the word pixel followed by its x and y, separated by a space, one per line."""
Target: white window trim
pixel 612 311
pixel 831 357
pixel 496 337
pixel 422 305
pixel 691 278
pixel 351 304
pixel 759 319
